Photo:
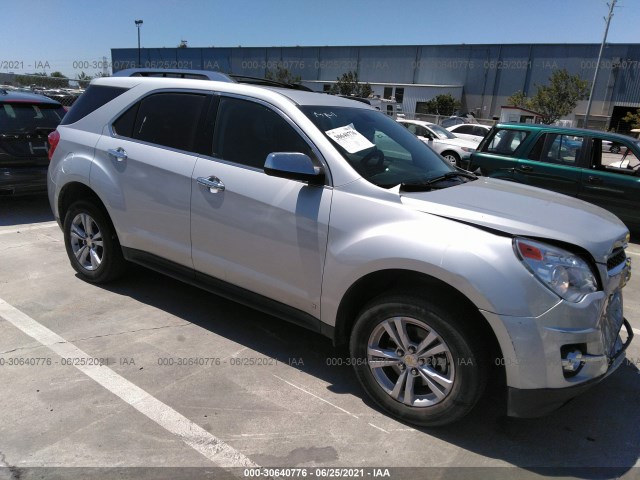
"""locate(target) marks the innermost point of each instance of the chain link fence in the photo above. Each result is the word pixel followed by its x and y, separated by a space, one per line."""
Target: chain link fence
pixel 64 90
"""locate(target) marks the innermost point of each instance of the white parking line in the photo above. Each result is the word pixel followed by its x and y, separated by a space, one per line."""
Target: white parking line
pixel 27 228
pixel 190 433
pixel 314 395
pixel 636 331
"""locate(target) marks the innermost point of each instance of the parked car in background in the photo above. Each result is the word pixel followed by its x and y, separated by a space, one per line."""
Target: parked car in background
pixel 456 150
pixel 25 121
pixel 569 161
pixel 609 146
pixel 329 214
pixel 470 131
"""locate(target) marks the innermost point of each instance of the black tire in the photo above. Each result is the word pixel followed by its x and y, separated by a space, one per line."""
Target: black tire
pixel 465 365
pixel 112 264
pixel 452 157
pixel 615 149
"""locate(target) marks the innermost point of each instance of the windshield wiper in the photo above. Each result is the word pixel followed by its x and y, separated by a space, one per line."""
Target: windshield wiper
pixel 429 182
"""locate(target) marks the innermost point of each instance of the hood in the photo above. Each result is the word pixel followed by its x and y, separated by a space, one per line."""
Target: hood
pixel 518 209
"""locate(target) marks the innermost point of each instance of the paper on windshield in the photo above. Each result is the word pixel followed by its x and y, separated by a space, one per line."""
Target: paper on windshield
pixel 349 138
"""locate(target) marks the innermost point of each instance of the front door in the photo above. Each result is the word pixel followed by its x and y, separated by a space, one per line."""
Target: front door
pixel 265 234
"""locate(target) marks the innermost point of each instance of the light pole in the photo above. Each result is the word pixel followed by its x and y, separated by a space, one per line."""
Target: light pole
pixel 595 75
pixel 138 24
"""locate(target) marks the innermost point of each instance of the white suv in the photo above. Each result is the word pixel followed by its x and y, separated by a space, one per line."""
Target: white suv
pixel 327 213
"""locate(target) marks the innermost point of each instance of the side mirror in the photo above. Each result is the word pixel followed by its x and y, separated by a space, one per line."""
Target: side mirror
pixel 294 166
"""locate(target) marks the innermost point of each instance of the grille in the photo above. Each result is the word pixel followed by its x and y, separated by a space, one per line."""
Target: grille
pixel 616 258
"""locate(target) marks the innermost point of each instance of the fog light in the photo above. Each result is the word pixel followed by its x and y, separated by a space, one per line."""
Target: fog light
pixel 572 362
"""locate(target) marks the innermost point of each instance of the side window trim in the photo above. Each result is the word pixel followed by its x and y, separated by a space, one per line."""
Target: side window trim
pixel 316 151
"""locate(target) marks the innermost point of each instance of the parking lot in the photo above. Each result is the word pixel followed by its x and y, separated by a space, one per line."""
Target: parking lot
pixel 149 372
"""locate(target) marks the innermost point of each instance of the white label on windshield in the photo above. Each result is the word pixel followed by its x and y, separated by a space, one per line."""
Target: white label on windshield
pixel 349 139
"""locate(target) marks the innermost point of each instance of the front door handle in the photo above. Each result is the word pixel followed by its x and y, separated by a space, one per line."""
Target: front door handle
pixel 595 180
pixel 526 168
pixel 119 154
pixel 214 184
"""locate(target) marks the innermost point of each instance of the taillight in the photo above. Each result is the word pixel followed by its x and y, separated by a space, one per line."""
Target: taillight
pixel 54 138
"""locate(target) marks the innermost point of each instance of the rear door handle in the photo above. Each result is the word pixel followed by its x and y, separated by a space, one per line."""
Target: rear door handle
pixel 214 184
pixel 526 168
pixel 119 154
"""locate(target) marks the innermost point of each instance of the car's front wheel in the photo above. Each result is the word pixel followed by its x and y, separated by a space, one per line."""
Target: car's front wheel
pixel 91 242
pixel 417 360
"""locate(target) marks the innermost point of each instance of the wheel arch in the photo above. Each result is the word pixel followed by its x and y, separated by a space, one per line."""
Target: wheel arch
pixel 74 191
pixel 377 283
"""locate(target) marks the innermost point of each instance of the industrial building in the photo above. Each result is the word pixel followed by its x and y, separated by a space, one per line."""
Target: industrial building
pixel 481 77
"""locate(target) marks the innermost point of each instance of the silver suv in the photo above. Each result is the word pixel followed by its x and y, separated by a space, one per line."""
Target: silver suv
pixel 325 212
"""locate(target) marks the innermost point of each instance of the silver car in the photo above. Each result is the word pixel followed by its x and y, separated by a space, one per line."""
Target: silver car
pixel 327 213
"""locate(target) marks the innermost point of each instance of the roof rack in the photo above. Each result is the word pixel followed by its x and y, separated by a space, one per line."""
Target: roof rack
pixel 206 75
pixel 174 73
pixel 265 82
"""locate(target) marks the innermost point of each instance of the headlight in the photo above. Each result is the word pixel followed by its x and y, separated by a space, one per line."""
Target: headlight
pixel 466 149
pixel 566 274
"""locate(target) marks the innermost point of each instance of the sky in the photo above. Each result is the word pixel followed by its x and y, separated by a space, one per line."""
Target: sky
pixel 63 35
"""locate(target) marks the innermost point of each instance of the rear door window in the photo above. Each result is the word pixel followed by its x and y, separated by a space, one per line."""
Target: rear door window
pixel 561 149
pixel 169 119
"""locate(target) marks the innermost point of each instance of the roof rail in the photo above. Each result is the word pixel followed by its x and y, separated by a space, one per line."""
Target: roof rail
pixel 174 73
pixel 265 82
pixel 206 75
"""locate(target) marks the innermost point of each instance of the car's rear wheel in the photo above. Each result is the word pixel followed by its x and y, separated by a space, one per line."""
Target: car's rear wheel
pixel 452 157
pixel 417 360
pixel 615 149
pixel 91 242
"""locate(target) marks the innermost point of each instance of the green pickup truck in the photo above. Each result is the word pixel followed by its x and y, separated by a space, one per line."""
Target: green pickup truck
pixel 575 162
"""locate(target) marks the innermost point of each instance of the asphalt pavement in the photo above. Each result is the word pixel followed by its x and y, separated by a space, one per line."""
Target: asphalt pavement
pixel 147 374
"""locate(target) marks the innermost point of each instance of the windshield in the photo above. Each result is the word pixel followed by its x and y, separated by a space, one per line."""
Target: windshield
pixel 441 133
pixel 27 117
pixel 380 149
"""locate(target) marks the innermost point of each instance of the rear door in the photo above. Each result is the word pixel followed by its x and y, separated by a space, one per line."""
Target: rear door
pixel 613 182
pixel 144 166
pixel 555 162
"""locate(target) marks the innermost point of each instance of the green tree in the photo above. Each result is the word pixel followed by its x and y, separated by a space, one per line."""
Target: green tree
pixel 282 75
pixel 83 77
pixel 632 118
pixel 349 84
pixel 443 104
pixel 57 75
pixel 555 100
pixel 518 99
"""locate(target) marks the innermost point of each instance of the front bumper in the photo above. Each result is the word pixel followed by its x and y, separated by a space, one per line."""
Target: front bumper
pixel 527 403
pixel 539 353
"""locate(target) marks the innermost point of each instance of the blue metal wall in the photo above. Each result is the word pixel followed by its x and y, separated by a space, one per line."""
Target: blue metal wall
pixel 489 73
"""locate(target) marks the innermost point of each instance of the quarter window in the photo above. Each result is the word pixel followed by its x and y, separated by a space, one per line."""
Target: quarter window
pixel 246 132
